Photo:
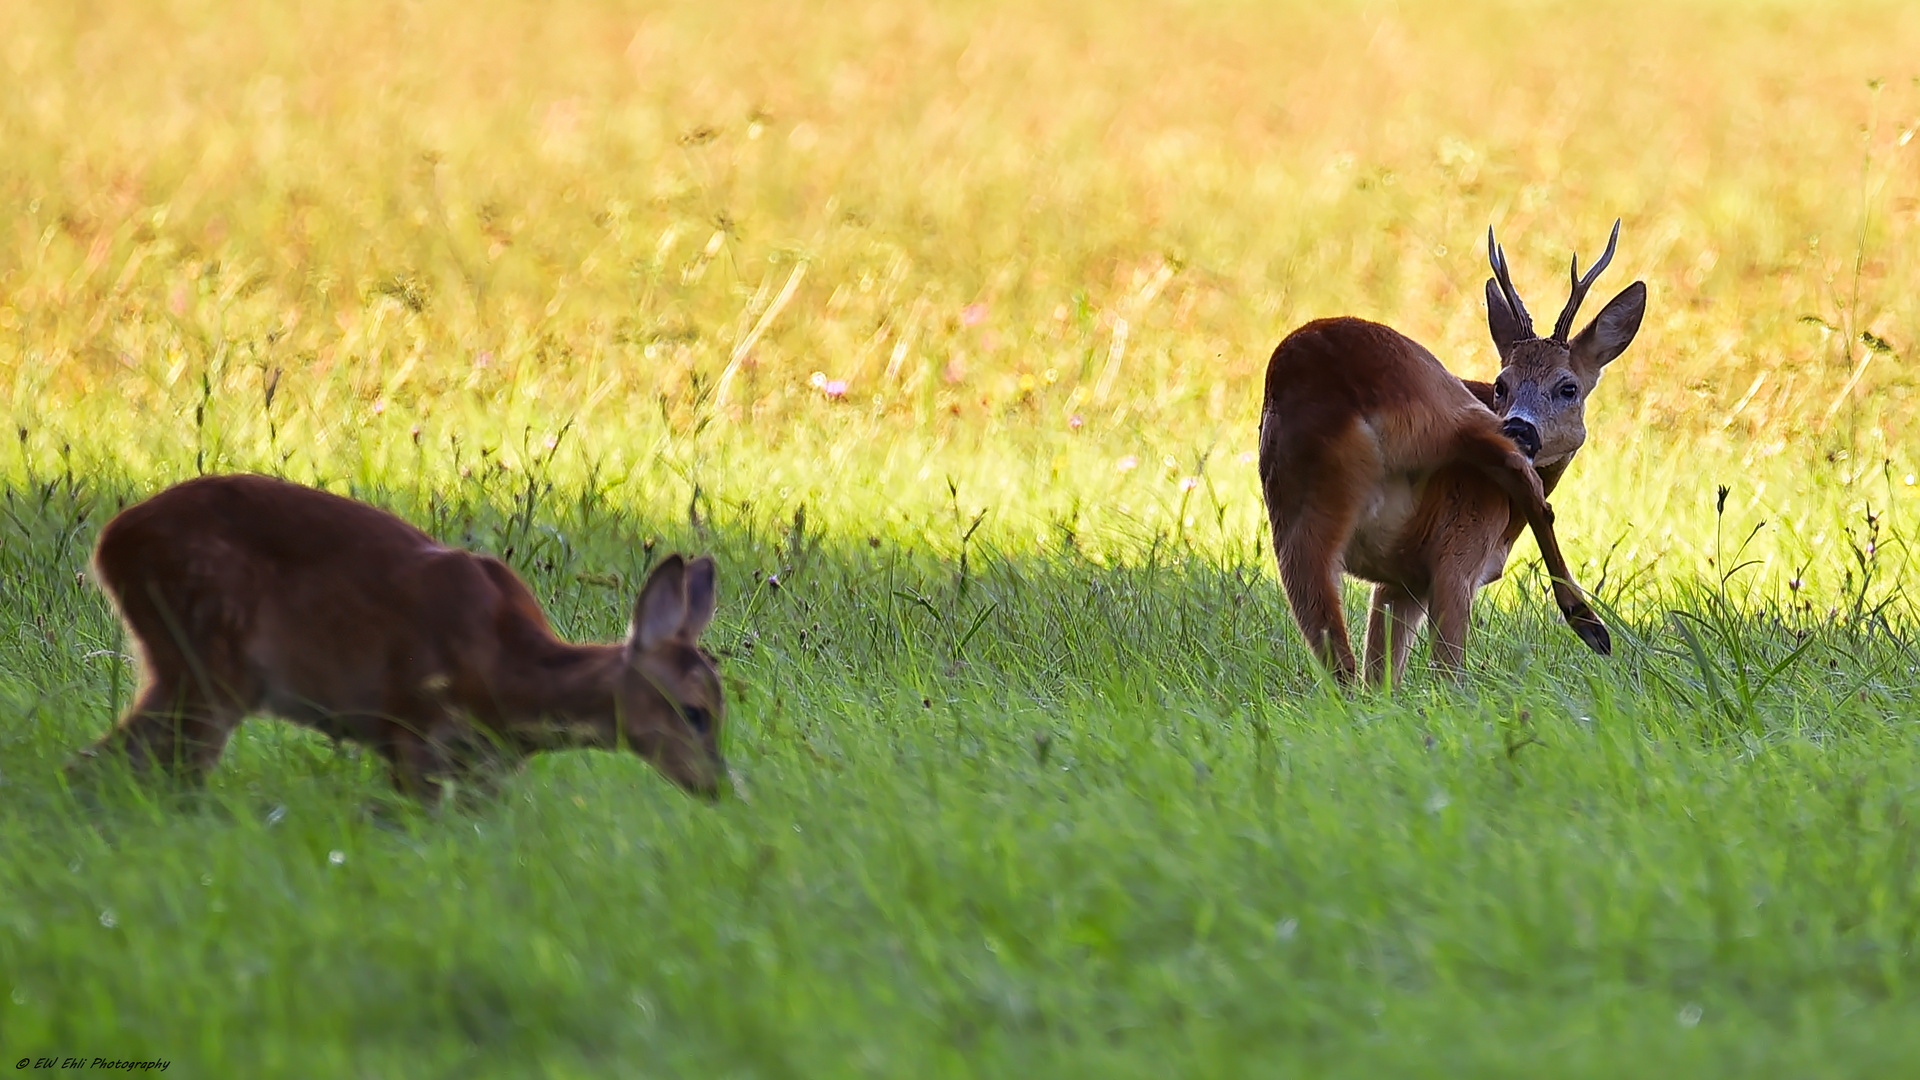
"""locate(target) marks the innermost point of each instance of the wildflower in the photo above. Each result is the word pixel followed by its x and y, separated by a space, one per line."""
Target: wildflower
pixel 1127 464
pixel 973 314
pixel 1075 421
pixel 1188 483
pixel 835 388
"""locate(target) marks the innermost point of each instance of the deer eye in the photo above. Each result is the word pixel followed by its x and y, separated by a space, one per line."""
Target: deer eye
pixel 1499 389
pixel 698 718
pixel 1569 390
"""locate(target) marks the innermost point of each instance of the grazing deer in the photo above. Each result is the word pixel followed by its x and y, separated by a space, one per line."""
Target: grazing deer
pixel 1376 460
pixel 249 594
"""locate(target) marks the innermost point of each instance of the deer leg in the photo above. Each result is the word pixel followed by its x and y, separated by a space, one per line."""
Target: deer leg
pixel 479 763
pixel 1573 607
pixel 1497 458
pixel 1451 601
pixel 1404 630
pixel 198 685
pixel 173 728
pixel 1395 617
pixel 1308 549
pixel 418 767
pixel 1310 572
pixel 1313 489
pixel 432 753
pixel 1379 618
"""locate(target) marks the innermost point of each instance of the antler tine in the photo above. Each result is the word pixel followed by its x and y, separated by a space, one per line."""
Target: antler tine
pixel 1578 295
pixel 1497 258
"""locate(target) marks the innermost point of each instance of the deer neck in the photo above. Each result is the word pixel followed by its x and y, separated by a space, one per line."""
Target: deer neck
pixel 1550 475
pixel 550 695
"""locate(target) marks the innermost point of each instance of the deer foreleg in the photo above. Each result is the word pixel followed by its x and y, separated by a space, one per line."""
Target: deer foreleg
pixel 1497 458
pixel 1395 618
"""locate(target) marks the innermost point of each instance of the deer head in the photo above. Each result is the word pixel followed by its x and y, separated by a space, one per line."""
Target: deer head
pixel 1541 392
pixel 669 703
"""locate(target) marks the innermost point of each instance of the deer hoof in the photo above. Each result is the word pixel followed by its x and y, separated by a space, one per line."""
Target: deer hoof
pixel 1591 630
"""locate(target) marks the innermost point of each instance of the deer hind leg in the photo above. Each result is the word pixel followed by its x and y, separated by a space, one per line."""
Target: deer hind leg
pixel 1394 618
pixel 199 683
pixel 1313 503
pixel 1311 575
pixel 1451 602
pixel 1497 458
pixel 175 727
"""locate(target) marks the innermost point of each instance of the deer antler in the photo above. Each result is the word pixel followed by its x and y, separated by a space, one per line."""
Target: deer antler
pixel 1497 258
pixel 1581 284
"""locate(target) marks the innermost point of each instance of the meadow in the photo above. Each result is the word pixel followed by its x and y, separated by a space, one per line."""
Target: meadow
pixel 942 327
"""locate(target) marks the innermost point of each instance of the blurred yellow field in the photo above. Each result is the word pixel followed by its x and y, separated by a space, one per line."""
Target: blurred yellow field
pixel 434 196
pixel 999 223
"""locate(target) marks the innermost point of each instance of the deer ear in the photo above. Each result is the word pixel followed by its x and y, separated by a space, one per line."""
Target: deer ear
pixel 662 607
pixel 1506 326
pixel 700 597
pixel 1611 331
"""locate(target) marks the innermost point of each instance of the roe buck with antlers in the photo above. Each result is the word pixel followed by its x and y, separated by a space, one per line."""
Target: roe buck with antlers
pixel 249 594
pixel 1376 460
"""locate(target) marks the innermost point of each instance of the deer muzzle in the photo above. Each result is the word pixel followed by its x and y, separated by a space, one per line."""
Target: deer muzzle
pixel 1523 434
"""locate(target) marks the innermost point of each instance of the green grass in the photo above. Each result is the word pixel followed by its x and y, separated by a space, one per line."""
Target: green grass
pixel 1041 814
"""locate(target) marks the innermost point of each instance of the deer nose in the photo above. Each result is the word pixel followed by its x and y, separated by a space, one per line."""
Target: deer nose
pixel 1524 435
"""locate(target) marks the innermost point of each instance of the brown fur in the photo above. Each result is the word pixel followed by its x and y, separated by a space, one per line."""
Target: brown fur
pixel 247 594
pixel 1377 461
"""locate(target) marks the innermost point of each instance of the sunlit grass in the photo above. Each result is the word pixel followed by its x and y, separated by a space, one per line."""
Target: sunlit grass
pixel 992 223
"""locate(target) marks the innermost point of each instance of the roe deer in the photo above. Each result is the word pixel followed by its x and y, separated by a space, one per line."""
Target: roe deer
pixel 246 593
pixel 1375 460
